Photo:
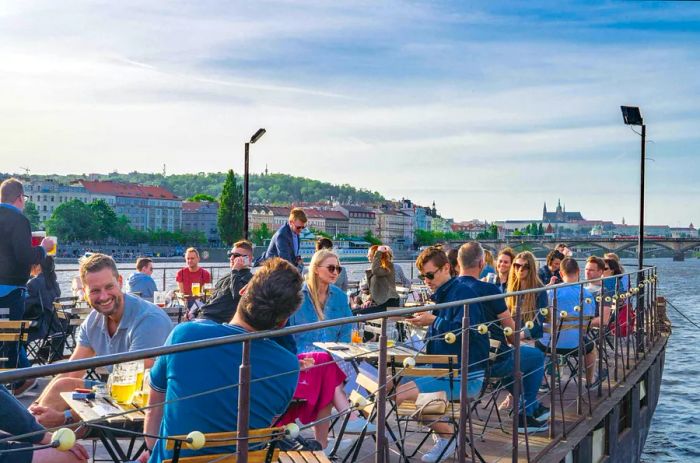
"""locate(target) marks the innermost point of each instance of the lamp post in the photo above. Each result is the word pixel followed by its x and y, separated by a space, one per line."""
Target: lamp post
pixel 632 116
pixel 246 177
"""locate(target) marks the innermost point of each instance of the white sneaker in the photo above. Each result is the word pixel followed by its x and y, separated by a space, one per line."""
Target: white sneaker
pixel 356 426
pixel 443 447
pixel 344 445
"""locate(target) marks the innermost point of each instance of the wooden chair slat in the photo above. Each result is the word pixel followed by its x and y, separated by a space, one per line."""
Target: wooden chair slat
pixel 14 324
pixel 13 337
pixel 222 439
pixel 256 456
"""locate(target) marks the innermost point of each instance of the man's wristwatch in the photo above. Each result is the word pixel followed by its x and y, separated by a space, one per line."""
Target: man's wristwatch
pixel 67 417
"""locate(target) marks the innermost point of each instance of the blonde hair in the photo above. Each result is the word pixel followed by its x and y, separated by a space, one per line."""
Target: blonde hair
pixel 313 282
pixel 488 257
pixel 529 307
pixel 194 250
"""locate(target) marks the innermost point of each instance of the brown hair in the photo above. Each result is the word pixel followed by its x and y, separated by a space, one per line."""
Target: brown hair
pixel 507 252
pixel 554 254
pixel 273 295
pixel 142 262
pixel 10 190
pixel 454 264
pixel 569 266
pixel 432 254
pixel 614 266
pixel 96 263
pixel 245 244
pixel 598 261
pixel 324 243
pixel 298 214
pixel 529 301
pixel 385 258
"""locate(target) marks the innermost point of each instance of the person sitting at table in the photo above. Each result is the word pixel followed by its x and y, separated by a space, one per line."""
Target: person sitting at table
pixel 141 281
pixel 567 338
pixel 322 386
pixel 342 281
pixel 119 322
pixel 42 290
pixel 434 269
pixel 226 294
pixel 191 273
pixel 549 273
pixel 504 261
pixel 272 295
pixel 523 275
pixel 16 420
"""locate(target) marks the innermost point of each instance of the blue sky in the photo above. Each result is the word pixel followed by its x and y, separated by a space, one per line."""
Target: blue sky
pixel 488 108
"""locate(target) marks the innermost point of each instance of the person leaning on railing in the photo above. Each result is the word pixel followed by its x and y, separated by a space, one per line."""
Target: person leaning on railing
pixel 272 295
pixel 471 262
pixel 119 323
pixel 321 387
pixel 434 269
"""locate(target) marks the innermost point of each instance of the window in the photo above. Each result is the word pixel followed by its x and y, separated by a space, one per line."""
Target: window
pixel 625 418
pixel 643 397
pixel 599 441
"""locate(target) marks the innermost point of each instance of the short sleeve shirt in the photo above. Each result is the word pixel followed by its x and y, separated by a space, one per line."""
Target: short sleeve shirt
pixel 274 372
pixel 143 325
pixel 186 277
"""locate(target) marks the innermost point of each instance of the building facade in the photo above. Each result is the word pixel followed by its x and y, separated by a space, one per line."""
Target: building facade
pixel 201 216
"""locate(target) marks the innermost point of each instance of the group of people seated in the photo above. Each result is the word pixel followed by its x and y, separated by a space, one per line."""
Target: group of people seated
pixel 284 368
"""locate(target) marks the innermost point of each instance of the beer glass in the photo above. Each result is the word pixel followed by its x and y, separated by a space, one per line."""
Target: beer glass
pixel 195 289
pixel 122 381
pixel 52 251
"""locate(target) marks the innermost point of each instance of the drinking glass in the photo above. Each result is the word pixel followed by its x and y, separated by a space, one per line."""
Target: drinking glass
pixel 195 289
pixel 37 237
pixel 159 298
pixel 122 381
pixel 52 251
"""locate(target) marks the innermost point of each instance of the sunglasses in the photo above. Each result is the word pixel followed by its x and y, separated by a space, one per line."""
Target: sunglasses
pixel 427 275
pixel 334 268
pixel 519 266
pixel 607 268
pixel 299 227
pixel 234 254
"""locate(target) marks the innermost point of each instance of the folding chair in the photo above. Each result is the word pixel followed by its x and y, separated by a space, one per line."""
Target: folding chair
pixel 493 385
pixel 13 331
pixel 569 356
pixel 408 412
pixel 48 348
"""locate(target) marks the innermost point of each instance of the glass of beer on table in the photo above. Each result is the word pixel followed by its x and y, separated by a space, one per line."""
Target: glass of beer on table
pixel 195 289
pixel 123 381
pixel 159 298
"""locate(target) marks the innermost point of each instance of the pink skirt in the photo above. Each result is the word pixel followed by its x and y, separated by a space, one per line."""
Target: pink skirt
pixel 315 388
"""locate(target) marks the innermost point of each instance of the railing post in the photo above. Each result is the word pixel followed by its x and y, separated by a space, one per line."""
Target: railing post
pixel 164 288
pixel 582 366
pixel 464 404
pixel 381 444
pixel 554 371
pixel 640 315
pixel 616 328
pixel 517 378
pixel 243 404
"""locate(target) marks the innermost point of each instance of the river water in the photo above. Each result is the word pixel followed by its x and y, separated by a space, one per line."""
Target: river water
pixel 675 429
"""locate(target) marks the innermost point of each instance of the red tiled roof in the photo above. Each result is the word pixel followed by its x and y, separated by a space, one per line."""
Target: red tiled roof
pixel 131 190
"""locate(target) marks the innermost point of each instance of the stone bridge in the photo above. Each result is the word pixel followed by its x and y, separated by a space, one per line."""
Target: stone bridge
pixel 678 246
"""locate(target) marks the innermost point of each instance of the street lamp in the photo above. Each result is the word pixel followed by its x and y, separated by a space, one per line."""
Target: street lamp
pixel 256 136
pixel 632 116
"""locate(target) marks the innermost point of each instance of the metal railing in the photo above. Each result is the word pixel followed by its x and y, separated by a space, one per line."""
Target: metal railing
pixel 640 299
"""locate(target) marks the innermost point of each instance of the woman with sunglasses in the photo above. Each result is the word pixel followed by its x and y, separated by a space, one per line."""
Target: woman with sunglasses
pixel 523 276
pixel 321 380
pixel 381 281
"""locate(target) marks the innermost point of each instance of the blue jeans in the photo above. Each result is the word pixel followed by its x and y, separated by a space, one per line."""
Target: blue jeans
pixel 17 358
pixel 429 384
pixel 532 369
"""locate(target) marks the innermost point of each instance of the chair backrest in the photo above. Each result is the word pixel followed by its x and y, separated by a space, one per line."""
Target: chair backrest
pixel 4 313
pixel 14 330
pixel 257 437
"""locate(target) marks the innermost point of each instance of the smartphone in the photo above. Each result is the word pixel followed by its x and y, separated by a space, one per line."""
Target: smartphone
pixel 338 348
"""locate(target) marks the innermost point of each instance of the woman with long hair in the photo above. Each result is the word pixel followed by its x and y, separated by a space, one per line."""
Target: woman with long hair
pixel 381 281
pixel 321 380
pixel 42 290
pixel 488 264
pixel 522 276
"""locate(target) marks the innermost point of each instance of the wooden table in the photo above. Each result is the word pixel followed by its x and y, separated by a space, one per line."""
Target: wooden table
pixel 102 408
pixel 366 351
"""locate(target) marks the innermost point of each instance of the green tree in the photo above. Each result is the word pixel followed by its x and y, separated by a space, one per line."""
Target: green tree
pixel 540 230
pixel 73 221
pixel 199 197
pixel 230 215
pixel 260 234
pixel 370 238
pixel 105 218
pixel 32 213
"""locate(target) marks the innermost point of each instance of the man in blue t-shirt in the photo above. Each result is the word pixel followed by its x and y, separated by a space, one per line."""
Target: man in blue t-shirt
pixel 568 332
pixel 435 271
pixel 471 261
pixel 273 294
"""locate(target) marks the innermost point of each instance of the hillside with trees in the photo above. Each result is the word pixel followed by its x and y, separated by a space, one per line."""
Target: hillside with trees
pixel 270 189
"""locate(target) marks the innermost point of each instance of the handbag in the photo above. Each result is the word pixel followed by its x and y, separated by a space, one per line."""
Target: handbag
pixel 431 403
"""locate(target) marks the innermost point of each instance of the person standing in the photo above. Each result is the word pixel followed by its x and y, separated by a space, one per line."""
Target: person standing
pixel 17 255
pixel 141 281
pixel 285 242
pixel 191 273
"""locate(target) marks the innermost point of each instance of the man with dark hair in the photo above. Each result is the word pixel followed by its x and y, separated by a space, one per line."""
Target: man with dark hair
pixel 471 262
pixel 434 269
pixel 17 255
pixel 595 267
pixel 141 281
pixel 285 242
pixel 118 323
pixel 226 294
pixel 272 296
pixel 549 274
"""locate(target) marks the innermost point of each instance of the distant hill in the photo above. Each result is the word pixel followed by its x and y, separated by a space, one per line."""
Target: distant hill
pixel 264 189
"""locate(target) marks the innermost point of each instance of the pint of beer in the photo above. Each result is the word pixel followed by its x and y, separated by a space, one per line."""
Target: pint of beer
pixel 52 251
pixel 195 289
pixel 122 381
pixel 38 237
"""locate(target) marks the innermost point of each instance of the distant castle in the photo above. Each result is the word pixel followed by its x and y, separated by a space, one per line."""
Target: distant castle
pixel 560 215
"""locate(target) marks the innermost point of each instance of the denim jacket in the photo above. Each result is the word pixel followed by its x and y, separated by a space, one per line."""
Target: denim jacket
pixel 337 306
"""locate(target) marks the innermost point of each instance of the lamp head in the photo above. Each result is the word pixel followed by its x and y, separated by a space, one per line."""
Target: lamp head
pixel 632 115
pixel 256 136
